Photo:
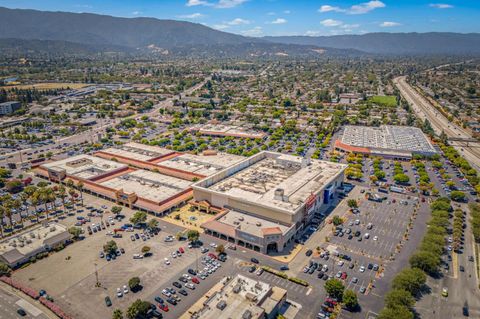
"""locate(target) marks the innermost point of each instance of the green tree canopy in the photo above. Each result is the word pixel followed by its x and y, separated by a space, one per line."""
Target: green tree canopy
pixel 335 288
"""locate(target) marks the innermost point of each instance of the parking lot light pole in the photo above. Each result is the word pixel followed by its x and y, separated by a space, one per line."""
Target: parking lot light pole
pixel 97 283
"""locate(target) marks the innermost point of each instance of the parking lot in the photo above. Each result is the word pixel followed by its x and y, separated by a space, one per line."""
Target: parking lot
pixel 377 229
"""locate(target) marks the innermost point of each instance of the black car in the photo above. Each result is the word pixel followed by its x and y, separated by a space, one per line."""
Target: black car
pixel 254 260
pixel 158 299
pixel 184 280
pixel 192 272
pixel 183 292
pixel 462 269
pixel 21 312
pixel 321 274
pixel 370 266
pixel 252 269
pixel 137 236
pixel 284 268
pixel 156 314
pixel 177 284
pixel 172 301
pixel 308 253
pixel 311 270
pixel 108 302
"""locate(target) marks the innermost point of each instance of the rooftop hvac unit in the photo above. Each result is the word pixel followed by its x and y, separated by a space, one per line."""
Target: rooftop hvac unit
pixel 258 224
pixel 241 218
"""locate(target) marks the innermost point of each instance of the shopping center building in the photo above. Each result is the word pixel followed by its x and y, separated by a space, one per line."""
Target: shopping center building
pixel 266 199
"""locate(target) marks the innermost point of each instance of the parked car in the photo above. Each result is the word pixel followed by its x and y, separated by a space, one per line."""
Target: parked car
pixel 254 260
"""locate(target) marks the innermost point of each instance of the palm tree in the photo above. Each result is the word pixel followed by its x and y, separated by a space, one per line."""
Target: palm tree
pixel 17 204
pixel 80 189
pixel 2 216
pixel 62 193
pixel 35 200
pixel 46 195
pixel 27 195
pixel 73 195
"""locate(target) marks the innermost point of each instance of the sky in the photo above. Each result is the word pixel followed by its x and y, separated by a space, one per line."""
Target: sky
pixel 287 17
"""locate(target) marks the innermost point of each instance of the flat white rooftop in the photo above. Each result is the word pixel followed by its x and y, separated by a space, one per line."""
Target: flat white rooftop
pixel 85 166
pixel 251 224
pixel 138 151
pixel 149 185
pixel 227 130
pixel 390 137
pixel 239 296
pixel 258 178
pixel 202 164
pixel 31 240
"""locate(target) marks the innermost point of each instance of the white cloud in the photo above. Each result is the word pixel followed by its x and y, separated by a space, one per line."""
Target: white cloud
pixel 441 5
pixel 350 26
pixel 255 32
pixel 328 8
pixel 279 21
pixel 238 21
pixel 220 26
pixel 191 16
pixel 229 3
pixel 360 8
pixel 388 24
pixel 136 13
pixel 271 13
pixel 331 23
pixel 287 11
pixel 366 7
pixel 192 3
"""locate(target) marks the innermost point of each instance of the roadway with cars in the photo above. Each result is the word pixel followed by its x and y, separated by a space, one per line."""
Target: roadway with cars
pixel 10 304
pixel 425 110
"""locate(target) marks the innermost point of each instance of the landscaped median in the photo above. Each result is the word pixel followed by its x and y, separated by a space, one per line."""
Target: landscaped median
pixel 285 276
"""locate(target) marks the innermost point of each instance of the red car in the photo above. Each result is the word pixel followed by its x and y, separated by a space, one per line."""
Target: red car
pixel 181 250
pixel 344 275
pixel 163 306
pixel 331 301
pixel 195 280
pixel 212 256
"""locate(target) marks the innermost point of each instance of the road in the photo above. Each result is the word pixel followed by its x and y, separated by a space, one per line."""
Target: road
pixel 425 110
pixel 10 303
pixel 91 135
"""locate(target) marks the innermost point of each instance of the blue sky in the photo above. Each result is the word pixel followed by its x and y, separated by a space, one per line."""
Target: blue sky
pixel 287 17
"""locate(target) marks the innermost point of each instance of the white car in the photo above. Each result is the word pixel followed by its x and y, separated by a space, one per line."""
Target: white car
pixel 375 238
pixel 362 269
pixel 119 292
pixel 125 289
pixel 174 255
pixel 137 256
pixel 167 262
pixel 340 263
pixel 186 276
pixel 357 221
pixel 213 245
pixel 166 293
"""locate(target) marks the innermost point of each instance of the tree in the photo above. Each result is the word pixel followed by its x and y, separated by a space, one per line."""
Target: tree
pixel 220 249
pixel 137 309
pixel 426 260
pixel 138 217
pixel 334 288
pixel 4 269
pixel 457 196
pixel 350 299
pixel 116 209
pixel 134 283
pixel 401 178
pixel 110 247
pixel 410 279
pixel 14 186
pixel 193 235
pixel 337 220
pixel 398 312
pixel 75 231
pixel 117 314
pixel 152 223
pixel 399 297
pixel 352 203
pixel 146 249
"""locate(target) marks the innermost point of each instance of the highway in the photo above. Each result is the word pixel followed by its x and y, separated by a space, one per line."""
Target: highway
pixel 425 110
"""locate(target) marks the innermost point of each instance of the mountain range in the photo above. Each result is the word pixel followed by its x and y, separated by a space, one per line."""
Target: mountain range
pixel 84 33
